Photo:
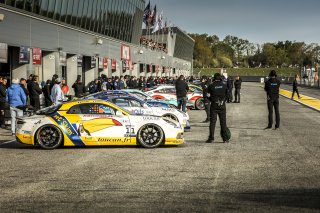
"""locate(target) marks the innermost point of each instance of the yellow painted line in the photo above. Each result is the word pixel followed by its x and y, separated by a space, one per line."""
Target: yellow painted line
pixel 305 100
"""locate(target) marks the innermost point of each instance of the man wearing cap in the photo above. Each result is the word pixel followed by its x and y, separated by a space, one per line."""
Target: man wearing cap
pixel 218 92
pixel 56 92
pixel 272 87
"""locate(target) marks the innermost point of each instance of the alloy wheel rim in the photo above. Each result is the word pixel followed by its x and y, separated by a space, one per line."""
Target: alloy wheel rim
pixel 150 134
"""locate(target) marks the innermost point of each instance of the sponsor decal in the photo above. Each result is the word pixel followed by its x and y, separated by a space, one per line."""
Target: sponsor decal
pixel 137 111
pixel 150 118
pixel 130 131
pixel 27 132
pixel 68 129
pixel 114 140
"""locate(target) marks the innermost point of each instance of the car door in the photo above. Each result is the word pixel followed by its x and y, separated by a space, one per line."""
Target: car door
pixel 99 124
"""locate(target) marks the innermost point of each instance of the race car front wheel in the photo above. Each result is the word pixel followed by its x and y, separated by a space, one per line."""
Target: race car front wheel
pixel 150 136
pixel 199 104
pixel 49 137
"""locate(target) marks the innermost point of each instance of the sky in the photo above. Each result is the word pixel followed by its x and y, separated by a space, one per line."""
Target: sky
pixel 258 21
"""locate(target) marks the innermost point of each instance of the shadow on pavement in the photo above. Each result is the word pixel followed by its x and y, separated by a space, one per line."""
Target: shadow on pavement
pixel 297 198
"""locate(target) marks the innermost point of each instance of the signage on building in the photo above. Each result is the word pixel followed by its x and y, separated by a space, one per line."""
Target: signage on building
pixel 105 63
pixel 3 53
pixel 36 56
pixel 125 52
pixel 62 58
pixel 79 60
pixel 24 55
pixel 114 65
pixel 100 66
pixel 150 67
pixel 93 62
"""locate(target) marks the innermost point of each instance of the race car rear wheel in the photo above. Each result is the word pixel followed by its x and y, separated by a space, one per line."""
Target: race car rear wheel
pixel 150 136
pixel 199 104
pixel 49 137
pixel 171 116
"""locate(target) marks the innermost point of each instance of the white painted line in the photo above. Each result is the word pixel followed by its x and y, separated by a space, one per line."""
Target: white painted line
pixel 7 142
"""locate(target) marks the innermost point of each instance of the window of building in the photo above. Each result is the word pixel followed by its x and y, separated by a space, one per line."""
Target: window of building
pixel 57 9
pixel 44 7
pixel 89 15
pixel 69 11
pixel 51 7
pixel 79 12
pixel 74 12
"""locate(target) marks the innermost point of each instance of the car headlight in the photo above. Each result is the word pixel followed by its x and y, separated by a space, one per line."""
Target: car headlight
pixel 173 123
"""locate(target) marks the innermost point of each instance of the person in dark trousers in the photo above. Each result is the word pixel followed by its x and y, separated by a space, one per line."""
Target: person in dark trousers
pixel 3 102
pixel 237 87
pixel 34 93
pixel 181 92
pixel 79 88
pixel 47 93
pixel 272 87
pixel 205 84
pixel 295 87
pixel 218 92
pixel 230 88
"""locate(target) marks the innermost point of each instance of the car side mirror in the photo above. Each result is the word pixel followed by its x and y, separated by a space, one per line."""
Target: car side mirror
pixel 119 114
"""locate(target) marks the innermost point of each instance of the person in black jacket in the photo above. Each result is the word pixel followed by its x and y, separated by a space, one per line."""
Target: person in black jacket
pixel 79 88
pixel 237 87
pixel 295 87
pixel 34 93
pixel 230 87
pixel 47 93
pixel 204 85
pixel 23 83
pixel 272 87
pixel 181 92
pixel 218 92
pixel 3 102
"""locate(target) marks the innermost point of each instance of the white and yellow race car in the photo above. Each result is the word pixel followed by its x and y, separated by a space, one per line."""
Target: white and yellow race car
pixel 96 123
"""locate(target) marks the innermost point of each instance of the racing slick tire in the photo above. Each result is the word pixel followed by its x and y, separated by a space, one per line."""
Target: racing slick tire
pixel 199 104
pixel 49 137
pixel 171 116
pixel 150 136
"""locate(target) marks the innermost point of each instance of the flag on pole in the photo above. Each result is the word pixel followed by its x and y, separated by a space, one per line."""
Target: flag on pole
pixel 152 16
pixel 146 14
pixel 158 23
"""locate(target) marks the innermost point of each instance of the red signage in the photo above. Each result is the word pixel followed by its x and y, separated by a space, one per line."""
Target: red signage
pixel 150 68
pixel 114 64
pixel 36 56
pixel 125 52
pixel 105 63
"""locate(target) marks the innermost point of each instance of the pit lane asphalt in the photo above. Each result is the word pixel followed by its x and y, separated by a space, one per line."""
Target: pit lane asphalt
pixel 259 171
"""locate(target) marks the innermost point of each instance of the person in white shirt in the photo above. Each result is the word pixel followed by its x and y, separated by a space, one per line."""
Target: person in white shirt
pixel 57 96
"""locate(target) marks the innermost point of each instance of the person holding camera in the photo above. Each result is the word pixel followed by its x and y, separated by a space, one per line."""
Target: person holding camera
pixel 217 93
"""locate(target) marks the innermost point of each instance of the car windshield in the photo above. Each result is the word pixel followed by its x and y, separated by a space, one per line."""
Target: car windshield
pixel 48 110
